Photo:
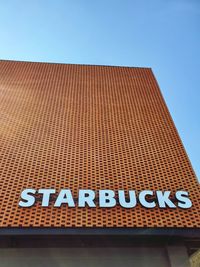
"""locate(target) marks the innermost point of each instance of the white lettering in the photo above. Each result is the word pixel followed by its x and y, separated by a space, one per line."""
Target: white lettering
pixel 86 197
pixel 183 201
pixel 144 202
pixel 46 196
pixel 65 196
pixel 27 199
pixel 132 199
pixel 107 198
pixel 163 199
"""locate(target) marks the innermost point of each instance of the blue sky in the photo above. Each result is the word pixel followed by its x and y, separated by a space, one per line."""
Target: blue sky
pixel 161 34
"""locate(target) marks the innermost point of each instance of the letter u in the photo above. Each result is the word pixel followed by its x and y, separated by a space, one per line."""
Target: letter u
pixel 132 199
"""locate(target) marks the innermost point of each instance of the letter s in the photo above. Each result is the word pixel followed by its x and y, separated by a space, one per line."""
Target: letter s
pixel 27 199
pixel 183 200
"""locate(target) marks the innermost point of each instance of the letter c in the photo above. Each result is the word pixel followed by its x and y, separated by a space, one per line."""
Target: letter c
pixel 144 202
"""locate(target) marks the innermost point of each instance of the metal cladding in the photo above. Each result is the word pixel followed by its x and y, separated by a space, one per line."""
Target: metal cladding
pixel 88 127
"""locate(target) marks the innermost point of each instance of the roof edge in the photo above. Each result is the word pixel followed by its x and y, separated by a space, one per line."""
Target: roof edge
pixel 74 64
pixel 26 231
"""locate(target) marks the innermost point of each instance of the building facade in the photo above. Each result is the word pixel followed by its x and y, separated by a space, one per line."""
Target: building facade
pixel 93 171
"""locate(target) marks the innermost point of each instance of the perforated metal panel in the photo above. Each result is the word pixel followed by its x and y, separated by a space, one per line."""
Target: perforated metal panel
pixel 92 127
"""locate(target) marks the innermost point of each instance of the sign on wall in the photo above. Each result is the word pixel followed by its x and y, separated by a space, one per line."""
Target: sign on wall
pixel 106 198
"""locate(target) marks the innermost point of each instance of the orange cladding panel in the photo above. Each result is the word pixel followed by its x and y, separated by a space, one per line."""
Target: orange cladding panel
pixel 88 127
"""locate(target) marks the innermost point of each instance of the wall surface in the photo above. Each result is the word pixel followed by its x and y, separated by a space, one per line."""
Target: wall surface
pixel 73 257
pixel 90 257
pixel 89 127
pixel 195 259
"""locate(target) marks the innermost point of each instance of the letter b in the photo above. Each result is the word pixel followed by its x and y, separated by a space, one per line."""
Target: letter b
pixel 107 198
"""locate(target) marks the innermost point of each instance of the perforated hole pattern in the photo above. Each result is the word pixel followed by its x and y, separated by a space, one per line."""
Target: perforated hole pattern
pixel 88 127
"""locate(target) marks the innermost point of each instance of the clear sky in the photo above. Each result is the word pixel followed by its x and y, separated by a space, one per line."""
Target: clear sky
pixel 161 34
